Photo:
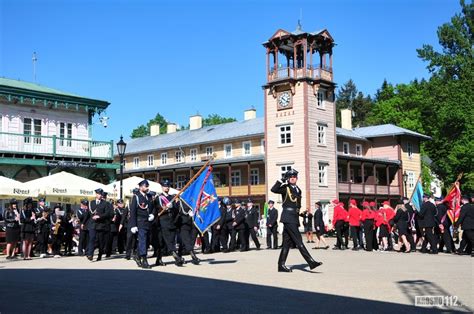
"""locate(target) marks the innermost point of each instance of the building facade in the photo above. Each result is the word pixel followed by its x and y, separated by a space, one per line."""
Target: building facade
pixel 298 130
pixel 43 131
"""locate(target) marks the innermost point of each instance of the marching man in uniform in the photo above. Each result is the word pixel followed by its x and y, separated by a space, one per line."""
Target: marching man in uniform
pixel 291 195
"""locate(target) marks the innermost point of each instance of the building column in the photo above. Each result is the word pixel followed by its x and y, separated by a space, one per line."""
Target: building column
pixel 248 178
pixel 388 179
pixel 375 179
pixel 174 177
pixel 157 178
pixel 229 170
pixel 349 174
pixel 268 63
pixel 362 174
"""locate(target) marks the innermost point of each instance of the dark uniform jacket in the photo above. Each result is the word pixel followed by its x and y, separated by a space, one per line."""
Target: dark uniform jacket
pixel 140 208
pixel 44 225
pixel 291 195
pixel 466 218
pixel 239 218
pixel 401 219
pixel 229 218
pixel 125 217
pixel 84 216
pixel 26 220
pixel 252 217
pixel 221 221
pixel 442 215
pixel 103 211
pixel 427 215
pixel 318 220
pixel 10 219
pixel 272 216
pixel 169 215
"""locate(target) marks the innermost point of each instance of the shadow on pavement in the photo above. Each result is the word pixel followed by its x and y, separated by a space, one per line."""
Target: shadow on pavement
pixel 133 291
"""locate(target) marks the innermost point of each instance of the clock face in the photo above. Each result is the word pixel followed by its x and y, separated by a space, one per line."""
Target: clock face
pixel 284 100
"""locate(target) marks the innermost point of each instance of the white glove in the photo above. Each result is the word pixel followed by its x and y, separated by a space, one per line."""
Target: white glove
pixel 134 230
pixel 151 217
pixel 169 205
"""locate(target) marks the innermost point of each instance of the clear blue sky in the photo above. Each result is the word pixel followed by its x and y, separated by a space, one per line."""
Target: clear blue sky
pixel 181 57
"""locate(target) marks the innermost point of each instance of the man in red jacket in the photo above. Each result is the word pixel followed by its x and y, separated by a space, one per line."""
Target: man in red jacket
pixel 367 218
pixel 338 223
pixel 385 214
pixel 354 222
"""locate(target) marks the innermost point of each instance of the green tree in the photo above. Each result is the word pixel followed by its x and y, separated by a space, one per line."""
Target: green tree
pixel 214 119
pixel 144 130
pixel 348 97
pixel 344 99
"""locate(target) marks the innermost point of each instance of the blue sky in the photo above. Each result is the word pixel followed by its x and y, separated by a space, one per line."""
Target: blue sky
pixel 183 57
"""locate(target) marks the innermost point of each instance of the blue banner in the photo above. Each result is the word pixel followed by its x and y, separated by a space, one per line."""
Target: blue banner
pixel 417 196
pixel 201 197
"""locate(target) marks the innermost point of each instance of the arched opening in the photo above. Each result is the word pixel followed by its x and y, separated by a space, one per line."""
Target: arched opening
pixel 27 173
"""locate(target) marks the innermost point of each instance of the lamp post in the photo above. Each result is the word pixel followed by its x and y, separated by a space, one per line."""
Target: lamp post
pixel 121 146
pixel 405 179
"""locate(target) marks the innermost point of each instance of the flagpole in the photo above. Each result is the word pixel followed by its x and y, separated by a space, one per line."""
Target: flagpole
pixel 190 181
pixel 457 180
pixel 416 184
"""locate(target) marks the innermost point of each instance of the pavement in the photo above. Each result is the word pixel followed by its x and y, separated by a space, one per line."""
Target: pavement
pixel 348 281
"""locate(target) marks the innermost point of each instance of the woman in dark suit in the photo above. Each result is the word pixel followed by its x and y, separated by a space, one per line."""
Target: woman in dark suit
pixel 319 226
pixel 12 221
pixel 401 221
pixel 27 219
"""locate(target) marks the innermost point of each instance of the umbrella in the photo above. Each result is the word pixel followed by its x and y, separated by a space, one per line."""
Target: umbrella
pixel 13 188
pixel 65 187
pixel 131 183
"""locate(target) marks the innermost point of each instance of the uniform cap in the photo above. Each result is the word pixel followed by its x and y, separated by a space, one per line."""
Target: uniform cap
pixel 144 183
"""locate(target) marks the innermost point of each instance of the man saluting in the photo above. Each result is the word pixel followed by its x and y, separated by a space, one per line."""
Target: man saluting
pixel 291 195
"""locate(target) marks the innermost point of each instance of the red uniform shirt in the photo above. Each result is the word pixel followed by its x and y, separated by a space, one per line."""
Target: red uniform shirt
pixel 354 216
pixel 339 214
pixel 367 214
pixel 379 218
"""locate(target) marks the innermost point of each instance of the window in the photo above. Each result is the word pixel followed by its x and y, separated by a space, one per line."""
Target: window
pixel 285 134
pixel 151 160
pixel 65 132
pixel 352 174
pixel 227 150
pixel 32 127
pixel 180 181
pixel 410 149
pixel 179 156
pixel 345 148
pixel 284 169
pixel 320 99
pixel 247 148
pixel 358 150
pixel 136 162
pixel 235 178
pixel 209 151
pixel 323 174
pixel 411 180
pixel 164 158
pixel 193 154
pixel 339 174
pixel 321 134
pixel 254 177
pixel 262 143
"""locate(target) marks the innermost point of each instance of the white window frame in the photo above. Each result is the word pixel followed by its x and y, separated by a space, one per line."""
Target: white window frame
pixel 285 132
pixel 320 100
pixel 322 130
pixel 179 156
pixel 410 150
pixel 262 144
pixel 66 134
pixel 284 169
pixel 33 140
pixel 209 151
pixel 136 162
pixel 236 175
pixel 244 153
pixel 323 173
pixel 344 144
pixel 193 154
pixel 411 180
pixel 151 160
pixel 164 159
pixel 254 176
pixel 225 151
pixel 180 181
pixel 358 149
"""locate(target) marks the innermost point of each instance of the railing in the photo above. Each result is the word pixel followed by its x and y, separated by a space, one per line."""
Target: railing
pixel 313 71
pixel 241 190
pixel 54 146
pixel 368 189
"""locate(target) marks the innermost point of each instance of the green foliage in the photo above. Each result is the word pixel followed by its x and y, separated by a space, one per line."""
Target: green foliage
pixel 144 130
pixel 214 119
pixel 349 97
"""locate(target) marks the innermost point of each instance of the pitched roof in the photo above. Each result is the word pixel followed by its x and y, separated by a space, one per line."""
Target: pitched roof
pixel 186 138
pixel 349 134
pixel 387 130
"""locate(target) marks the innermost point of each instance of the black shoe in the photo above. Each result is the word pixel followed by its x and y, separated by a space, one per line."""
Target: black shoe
pixel 269 248
pixel 138 260
pixel 355 249
pixel 225 251
pixel 284 269
pixel 314 264
pixel 179 261
pixel 127 258
pixel 145 264
pixel 90 258
pixel 8 257
pixel 99 258
pixel 326 247
pixel 196 260
pixel 159 262
pixel 337 248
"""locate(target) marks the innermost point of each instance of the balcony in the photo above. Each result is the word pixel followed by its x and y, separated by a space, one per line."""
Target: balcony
pixel 53 146
pixel 241 190
pixel 315 72
pixel 368 189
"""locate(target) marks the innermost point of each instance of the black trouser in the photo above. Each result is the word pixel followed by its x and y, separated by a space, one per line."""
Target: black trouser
pixel 68 239
pixel 92 241
pixel 57 242
pixel 431 238
pixel 157 241
pixel 111 240
pixel 369 234
pixel 121 238
pixel 272 232
pixel 43 242
pixel 225 233
pixel 345 232
pixel 101 236
pixel 169 237
pixel 339 226
pixel 186 235
pixel 204 238
pixel 233 239
pixel 355 230
pixel 292 238
pixel 469 236
pixel 253 234
pixel 411 239
pixel 83 238
pixel 131 244
pixel 446 240
pixel 216 239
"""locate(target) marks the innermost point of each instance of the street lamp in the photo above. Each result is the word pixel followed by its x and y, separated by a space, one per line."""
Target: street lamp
pixel 405 179
pixel 121 146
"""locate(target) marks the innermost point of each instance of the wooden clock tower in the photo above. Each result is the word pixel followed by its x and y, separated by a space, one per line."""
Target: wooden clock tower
pixel 300 117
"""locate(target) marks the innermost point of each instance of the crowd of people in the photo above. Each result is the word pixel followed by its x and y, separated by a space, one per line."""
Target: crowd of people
pixel 161 222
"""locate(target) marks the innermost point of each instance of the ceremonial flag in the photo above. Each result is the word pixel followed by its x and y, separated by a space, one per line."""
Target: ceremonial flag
pixel 265 210
pixel 201 197
pixel 417 195
pixel 453 200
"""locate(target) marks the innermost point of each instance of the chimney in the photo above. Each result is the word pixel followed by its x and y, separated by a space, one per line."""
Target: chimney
pixel 195 122
pixel 154 129
pixel 250 114
pixel 171 128
pixel 346 119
